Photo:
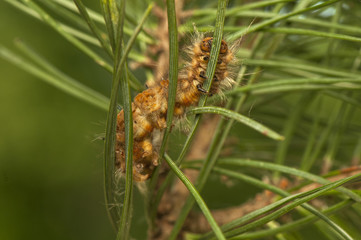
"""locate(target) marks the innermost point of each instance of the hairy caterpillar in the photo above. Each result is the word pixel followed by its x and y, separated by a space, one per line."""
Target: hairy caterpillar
pixel 149 108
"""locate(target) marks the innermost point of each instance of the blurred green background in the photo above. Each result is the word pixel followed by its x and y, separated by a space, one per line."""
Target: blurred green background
pixel 51 158
pixel 51 170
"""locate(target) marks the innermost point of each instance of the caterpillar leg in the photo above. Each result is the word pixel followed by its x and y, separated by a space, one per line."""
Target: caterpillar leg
pixel 201 89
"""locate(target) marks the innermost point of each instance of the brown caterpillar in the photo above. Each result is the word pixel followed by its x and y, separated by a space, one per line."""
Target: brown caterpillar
pixel 150 106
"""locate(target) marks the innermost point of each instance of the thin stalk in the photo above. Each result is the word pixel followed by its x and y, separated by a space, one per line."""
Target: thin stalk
pixel 56 26
pixel 63 83
pixel 261 14
pixel 292 202
pixel 121 75
pixel 96 17
pixel 295 225
pixel 111 18
pixel 240 118
pixel 136 32
pixel 290 126
pixel 56 72
pixel 67 15
pixel 124 228
pixel 269 22
pixel 72 31
pixel 218 140
pixel 172 91
pixel 339 127
pixel 309 87
pixel 93 27
pixel 313 134
pixel 197 197
pixel 217 38
pixel 125 218
pixel 134 83
pixel 236 9
pixel 308 32
pixel 173 70
pixel 182 154
pixel 308 163
pixel 307 67
pixel 258 183
pixel 288 170
pixel 119 79
pixel 343 97
pixel 289 83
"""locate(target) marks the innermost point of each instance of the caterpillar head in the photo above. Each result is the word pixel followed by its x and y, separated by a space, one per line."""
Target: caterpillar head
pixel 206 45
